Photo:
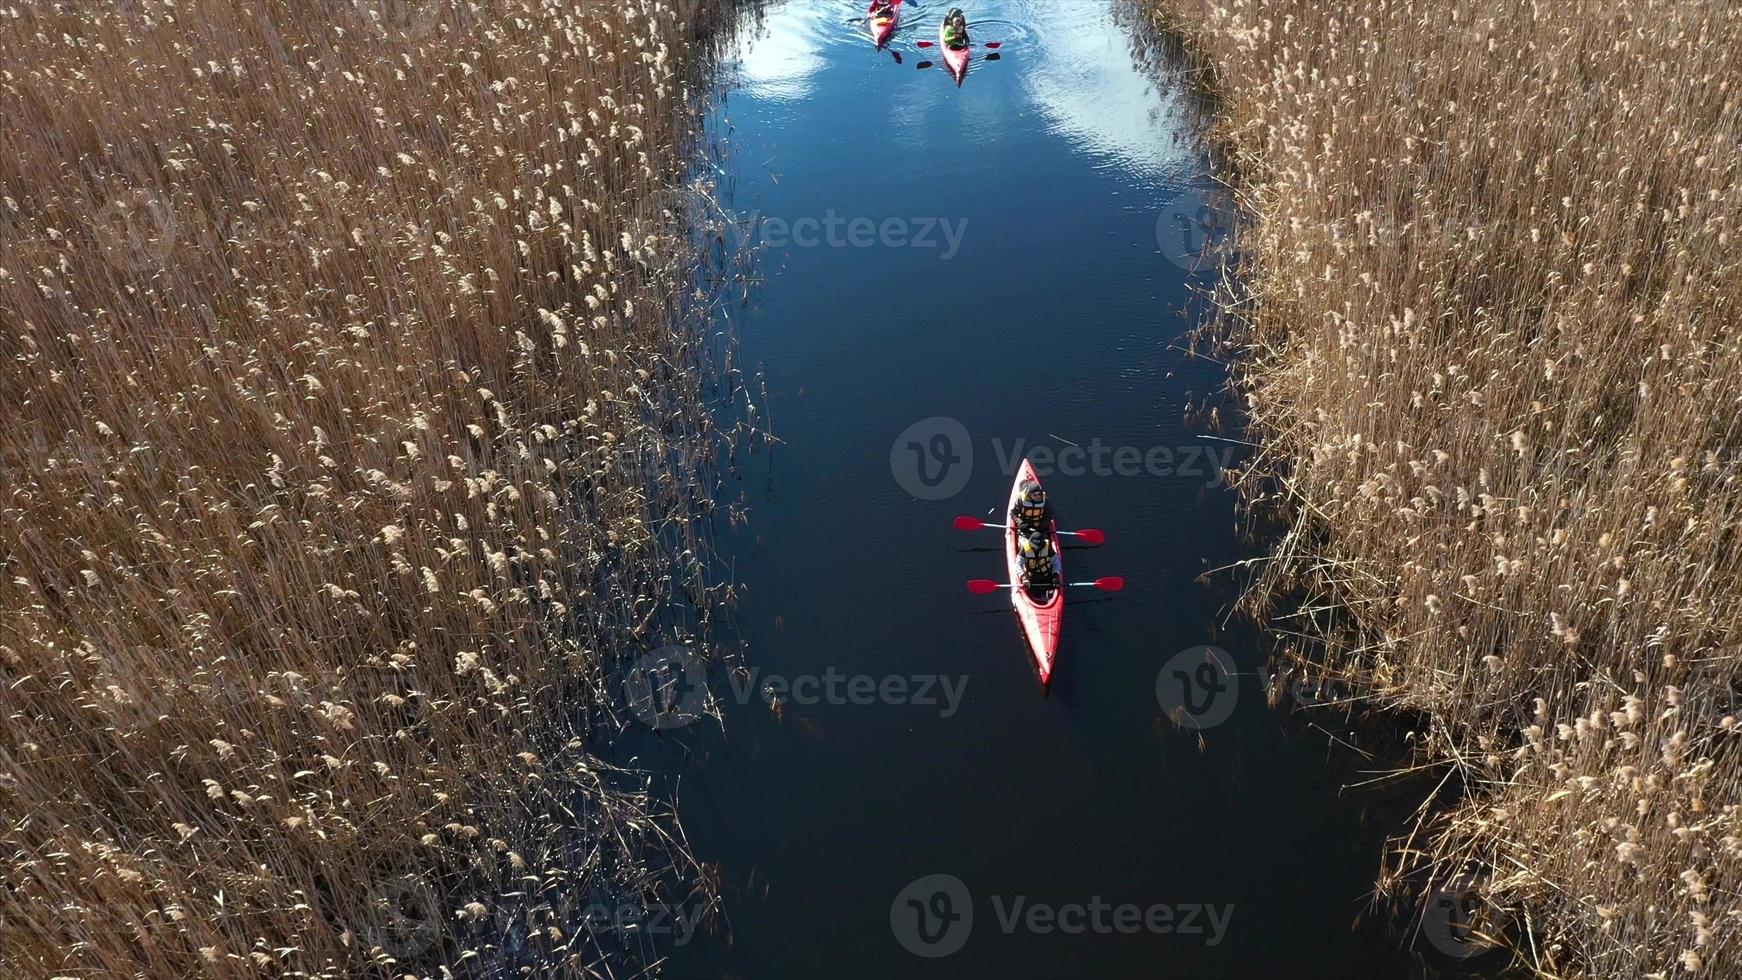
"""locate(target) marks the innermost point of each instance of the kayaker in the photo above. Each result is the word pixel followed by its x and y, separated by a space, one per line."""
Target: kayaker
pixel 1031 512
pixel 1038 570
pixel 955 29
pixel 882 9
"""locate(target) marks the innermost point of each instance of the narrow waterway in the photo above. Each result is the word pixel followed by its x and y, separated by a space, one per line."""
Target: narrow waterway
pixel 957 276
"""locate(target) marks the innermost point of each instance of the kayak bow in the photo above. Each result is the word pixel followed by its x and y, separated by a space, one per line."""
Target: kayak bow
pixel 1042 617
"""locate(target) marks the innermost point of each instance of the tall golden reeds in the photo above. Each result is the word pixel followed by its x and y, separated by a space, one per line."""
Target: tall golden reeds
pixel 353 425
pixel 1491 300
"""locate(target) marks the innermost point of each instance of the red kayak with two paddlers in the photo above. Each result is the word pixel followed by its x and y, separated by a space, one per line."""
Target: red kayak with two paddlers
pixel 1040 609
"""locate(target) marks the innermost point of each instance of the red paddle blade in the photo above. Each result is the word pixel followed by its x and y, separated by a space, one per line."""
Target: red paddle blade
pixel 925 44
pixel 994 45
pixel 1089 535
pixel 966 523
pixel 982 586
pixel 1111 583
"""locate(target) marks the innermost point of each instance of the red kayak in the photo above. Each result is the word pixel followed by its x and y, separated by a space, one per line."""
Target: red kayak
pixel 1043 615
pixel 955 59
pixel 883 27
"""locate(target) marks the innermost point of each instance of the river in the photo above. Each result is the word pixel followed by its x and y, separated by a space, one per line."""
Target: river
pixel 955 277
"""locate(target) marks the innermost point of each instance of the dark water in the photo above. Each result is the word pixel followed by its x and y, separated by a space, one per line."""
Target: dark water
pixel 1007 282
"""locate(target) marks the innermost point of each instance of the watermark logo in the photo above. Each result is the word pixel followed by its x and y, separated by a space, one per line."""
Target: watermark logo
pixel 1452 919
pixel 404 918
pixel 1196 229
pixel 932 458
pixel 835 230
pixel 675 925
pixel 1198 687
pixel 933 916
pixel 941 691
pixel 409 20
pixel 668 688
pixel 1098 458
pixel 136 231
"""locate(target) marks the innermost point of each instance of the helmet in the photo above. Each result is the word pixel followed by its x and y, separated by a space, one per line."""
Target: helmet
pixel 1033 494
pixel 1033 543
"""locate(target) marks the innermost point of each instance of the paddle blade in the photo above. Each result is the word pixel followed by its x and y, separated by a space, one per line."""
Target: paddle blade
pixel 925 44
pixel 966 523
pixel 983 586
pixel 1089 535
pixel 994 45
pixel 1111 583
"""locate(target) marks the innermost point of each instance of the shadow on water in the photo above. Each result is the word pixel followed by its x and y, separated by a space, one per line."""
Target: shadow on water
pixel 953 279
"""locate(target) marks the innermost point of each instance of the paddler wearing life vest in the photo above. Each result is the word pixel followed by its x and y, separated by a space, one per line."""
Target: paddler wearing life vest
pixel 1039 569
pixel 1031 511
pixel 955 29
pixel 882 9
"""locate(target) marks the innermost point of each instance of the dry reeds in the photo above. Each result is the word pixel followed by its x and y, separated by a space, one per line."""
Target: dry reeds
pixel 353 424
pixel 1491 306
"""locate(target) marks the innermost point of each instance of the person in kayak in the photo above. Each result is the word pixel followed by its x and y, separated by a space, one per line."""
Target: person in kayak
pixel 1039 570
pixel 882 10
pixel 1031 512
pixel 955 29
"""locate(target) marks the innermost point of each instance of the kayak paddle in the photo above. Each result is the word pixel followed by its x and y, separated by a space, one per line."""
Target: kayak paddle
pixel 985 586
pixel 1088 534
pixel 989 45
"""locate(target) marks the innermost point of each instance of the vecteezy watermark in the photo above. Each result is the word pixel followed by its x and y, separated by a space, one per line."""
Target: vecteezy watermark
pixel 1452 919
pixel 1100 459
pixel 674 925
pixel 669 688
pixel 835 230
pixel 402 918
pixel 933 458
pixel 1198 687
pixel 408 20
pixel 933 917
pixel 136 231
pixel 1196 229
pixel 941 691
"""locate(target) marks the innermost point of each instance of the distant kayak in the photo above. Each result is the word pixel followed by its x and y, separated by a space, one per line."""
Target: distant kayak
pixel 883 27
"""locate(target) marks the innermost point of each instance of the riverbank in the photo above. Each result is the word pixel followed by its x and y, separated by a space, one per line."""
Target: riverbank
pixel 1489 303
pixel 356 432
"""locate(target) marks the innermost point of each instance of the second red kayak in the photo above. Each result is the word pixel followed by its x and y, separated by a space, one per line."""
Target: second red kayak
pixel 955 59
pixel 1043 615
pixel 883 27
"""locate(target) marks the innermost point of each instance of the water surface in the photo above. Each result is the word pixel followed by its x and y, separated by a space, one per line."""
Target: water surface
pixel 1055 317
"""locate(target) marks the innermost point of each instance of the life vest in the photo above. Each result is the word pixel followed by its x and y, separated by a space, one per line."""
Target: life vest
pixel 1038 568
pixel 1037 563
pixel 1027 516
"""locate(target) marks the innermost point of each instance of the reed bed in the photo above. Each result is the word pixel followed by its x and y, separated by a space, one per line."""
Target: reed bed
pixel 356 430
pixel 1488 308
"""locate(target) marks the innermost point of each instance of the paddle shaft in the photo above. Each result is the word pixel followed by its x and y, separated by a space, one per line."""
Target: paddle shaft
pixel 1075 534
